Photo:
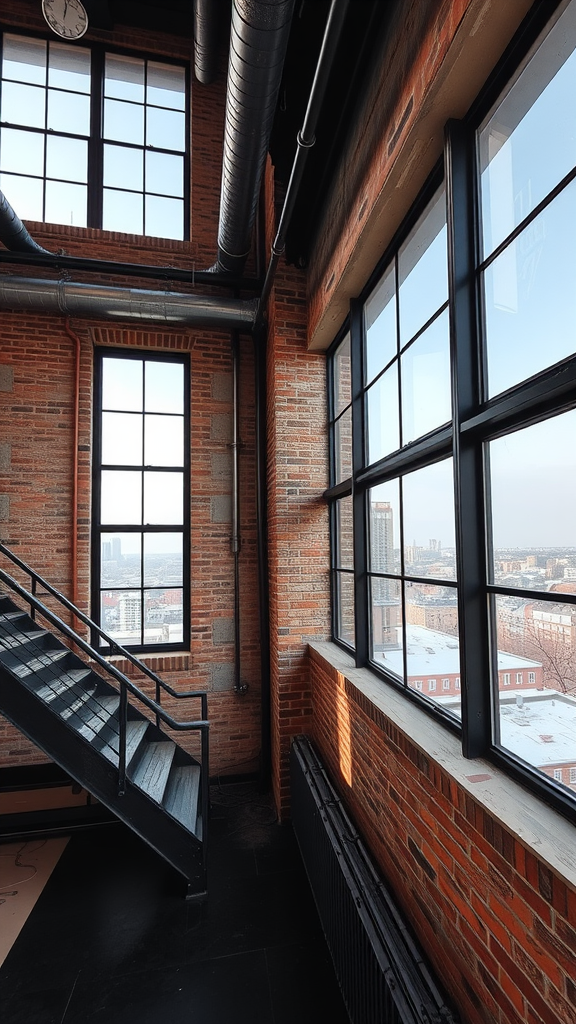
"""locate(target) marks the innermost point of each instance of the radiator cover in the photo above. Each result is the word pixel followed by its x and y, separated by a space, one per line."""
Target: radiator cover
pixel 382 973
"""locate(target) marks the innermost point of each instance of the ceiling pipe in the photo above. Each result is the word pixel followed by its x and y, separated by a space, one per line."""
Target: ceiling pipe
pixel 13 233
pixel 205 40
pixel 258 40
pixel 305 139
pixel 88 300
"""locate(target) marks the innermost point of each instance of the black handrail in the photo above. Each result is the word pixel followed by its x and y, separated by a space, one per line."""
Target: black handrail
pixel 113 644
pixel 202 725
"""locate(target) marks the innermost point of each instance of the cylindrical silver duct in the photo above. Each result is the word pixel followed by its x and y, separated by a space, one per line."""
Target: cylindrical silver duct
pixel 258 41
pixel 206 40
pixel 13 233
pixel 88 300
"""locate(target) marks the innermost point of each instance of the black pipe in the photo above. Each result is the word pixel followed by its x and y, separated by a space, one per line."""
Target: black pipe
pixel 239 687
pixel 306 138
pixel 41 258
pixel 258 41
pixel 205 40
pixel 259 337
pixel 13 233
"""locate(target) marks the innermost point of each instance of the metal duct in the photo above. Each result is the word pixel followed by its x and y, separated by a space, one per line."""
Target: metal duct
pixel 258 41
pixel 205 40
pixel 110 303
pixel 13 233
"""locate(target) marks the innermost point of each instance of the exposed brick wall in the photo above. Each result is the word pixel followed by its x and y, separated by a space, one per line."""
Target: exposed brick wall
pixel 297 513
pixel 497 923
pixel 36 415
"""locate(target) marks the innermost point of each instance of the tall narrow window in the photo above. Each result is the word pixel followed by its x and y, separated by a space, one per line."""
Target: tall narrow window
pixel 141 501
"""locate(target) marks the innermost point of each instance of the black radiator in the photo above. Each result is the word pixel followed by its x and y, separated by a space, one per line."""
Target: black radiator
pixel 382 973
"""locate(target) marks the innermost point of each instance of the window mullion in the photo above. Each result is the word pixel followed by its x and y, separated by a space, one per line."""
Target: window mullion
pixel 468 467
pixel 359 496
pixel 95 144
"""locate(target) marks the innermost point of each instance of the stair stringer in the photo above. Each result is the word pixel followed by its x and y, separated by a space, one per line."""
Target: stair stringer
pixel 87 766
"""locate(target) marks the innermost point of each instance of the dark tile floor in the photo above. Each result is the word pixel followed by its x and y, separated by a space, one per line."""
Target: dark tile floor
pixel 111 938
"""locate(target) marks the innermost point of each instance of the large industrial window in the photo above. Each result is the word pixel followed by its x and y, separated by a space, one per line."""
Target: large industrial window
pixel 93 138
pixel 459 502
pixel 141 500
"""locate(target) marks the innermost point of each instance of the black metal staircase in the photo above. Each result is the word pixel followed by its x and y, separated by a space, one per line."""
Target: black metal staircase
pixel 102 728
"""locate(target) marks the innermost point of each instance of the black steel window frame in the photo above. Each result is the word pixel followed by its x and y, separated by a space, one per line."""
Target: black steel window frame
pixel 95 136
pixel 476 421
pixel 98 528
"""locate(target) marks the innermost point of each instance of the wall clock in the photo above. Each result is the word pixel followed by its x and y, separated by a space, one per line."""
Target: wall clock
pixel 67 18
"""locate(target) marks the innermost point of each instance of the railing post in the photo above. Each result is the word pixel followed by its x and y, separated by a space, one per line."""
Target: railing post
pixel 158 701
pixel 122 717
pixel 32 608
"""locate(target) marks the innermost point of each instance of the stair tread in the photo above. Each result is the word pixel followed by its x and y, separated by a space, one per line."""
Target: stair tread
pixel 151 772
pixel 40 660
pixel 95 714
pixel 135 731
pixel 182 791
pixel 63 683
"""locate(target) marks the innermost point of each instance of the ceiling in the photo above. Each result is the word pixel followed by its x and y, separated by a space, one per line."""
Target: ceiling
pixel 364 24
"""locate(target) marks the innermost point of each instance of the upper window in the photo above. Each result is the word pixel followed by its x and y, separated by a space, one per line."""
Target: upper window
pixel 93 139
pixel 141 497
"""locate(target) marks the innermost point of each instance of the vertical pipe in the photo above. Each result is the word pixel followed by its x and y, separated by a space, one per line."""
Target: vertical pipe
pixel 259 338
pixel 235 540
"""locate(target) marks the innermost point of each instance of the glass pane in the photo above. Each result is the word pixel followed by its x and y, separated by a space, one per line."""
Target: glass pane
pixel 344 534
pixel 383 425
pixel 342 376
pixel 69 67
pixel 166 86
pixel 529 143
pixel 68 112
pixel 121 499
pixel 123 211
pixel 165 129
pixel 537 684
pixel 380 325
pixel 121 439
pixel 530 299
pixel 124 122
pixel 423 270
pixel 66 204
pixel 163 617
pixel 165 174
pixel 345 607
pixel 121 615
pixel 432 646
pixel 124 78
pixel 384 536
pixel 23 104
pixel 124 167
pixel 163 441
pixel 164 217
pixel 425 381
pixel 25 195
pixel 533 506
pixel 163 559
pixel 122 384
pixel 343 446
pixel 164 387
pixel 428 510
pixel 22 152
pixel 120 559
pixel 24 59
pixel 66 159
pixel 163 499
pixel 386 641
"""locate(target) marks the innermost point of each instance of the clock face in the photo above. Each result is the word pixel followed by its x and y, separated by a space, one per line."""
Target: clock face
pixel 67 18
